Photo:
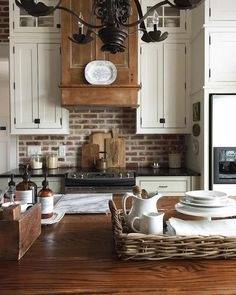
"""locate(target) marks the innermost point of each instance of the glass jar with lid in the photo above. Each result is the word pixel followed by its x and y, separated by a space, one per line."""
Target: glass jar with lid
pixel 52 161
pixel 36 162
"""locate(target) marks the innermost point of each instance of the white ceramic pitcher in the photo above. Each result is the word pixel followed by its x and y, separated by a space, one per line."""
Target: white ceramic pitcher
pixel 139 206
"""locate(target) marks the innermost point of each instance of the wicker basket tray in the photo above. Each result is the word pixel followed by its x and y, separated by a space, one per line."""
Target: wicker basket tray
pixel 130 246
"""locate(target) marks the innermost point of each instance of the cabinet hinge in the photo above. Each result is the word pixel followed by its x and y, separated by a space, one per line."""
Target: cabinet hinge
pixel 13 25
pixel 185 26
pixel 209 73
pixel 13 49
pixel 209 12
pixel 141 121
pixel 141 50
pixel 209 40
pixel 14 120
pixel 185 85
pixel 60 49
pixel 61 121
pixel 13 6
pixel 14 85
pixel 185 121
pixel 141 85
pixel 185 49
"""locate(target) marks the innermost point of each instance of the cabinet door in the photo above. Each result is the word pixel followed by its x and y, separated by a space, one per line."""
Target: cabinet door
pixel 26 95
pixel 25 23
pixel 151 76
pixel 222 57
pixel 49 70
pixel 175 85
pixel 223 10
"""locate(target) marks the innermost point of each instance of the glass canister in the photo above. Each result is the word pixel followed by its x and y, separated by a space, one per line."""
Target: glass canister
pixel 36 162
pixel 52 161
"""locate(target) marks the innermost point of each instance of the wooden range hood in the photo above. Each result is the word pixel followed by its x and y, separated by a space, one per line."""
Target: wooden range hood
pixel 75 90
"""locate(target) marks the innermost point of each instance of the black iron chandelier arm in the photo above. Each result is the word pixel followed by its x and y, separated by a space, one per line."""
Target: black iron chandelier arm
pixel 141 20
pixel 79 18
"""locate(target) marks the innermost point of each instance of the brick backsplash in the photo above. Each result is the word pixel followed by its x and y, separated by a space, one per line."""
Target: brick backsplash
pixel 140 149
pixel 4 20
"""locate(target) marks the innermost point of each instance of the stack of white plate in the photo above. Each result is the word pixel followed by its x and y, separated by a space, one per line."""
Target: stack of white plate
pixel 207 204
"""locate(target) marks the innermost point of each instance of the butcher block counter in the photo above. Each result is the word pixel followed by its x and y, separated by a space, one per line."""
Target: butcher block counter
pixel 76 257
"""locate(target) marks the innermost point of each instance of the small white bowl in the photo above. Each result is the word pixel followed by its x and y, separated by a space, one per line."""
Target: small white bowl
pixel 23 206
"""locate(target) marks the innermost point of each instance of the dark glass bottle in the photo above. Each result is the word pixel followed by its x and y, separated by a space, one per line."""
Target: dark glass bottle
pixel 10 194
pixel 45 198
pixel 26 190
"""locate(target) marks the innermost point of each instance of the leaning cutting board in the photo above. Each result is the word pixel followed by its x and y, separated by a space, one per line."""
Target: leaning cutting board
pixel 99 138
pixel 90 153
pixel 115 149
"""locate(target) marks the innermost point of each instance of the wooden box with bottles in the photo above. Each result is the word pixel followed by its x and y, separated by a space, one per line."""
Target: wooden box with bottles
pixel 17 236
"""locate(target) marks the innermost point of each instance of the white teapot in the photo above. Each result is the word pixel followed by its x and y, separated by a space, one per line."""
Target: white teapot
pixel 139 206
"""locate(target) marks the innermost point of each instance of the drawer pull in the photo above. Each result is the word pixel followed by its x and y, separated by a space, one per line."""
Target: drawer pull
pixel 163 186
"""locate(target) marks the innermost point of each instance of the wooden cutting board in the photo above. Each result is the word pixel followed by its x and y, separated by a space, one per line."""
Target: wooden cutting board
pixel 115 149
pixel 99 138
pixel 90 153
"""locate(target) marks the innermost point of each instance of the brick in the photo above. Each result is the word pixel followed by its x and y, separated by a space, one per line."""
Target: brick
pixel 141 150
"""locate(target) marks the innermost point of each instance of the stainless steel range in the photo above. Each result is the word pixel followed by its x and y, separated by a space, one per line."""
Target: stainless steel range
pixel 109 181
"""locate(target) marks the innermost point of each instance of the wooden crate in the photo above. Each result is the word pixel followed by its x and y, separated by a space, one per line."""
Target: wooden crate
pixel 17 236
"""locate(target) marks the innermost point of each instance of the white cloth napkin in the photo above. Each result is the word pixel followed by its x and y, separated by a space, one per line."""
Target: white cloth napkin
pixel 224 227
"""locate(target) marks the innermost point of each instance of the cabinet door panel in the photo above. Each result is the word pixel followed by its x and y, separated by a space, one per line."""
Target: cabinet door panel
pixel 174 85
pixel 26 97
pixel 223 10
pixel 151 94
pixel 222 57
pixel 48 85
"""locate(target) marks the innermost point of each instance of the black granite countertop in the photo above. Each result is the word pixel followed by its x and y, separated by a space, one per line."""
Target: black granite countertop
pixel 60 172
pixel 165 172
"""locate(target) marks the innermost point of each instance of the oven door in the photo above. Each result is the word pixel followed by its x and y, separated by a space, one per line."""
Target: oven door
pixel 225 165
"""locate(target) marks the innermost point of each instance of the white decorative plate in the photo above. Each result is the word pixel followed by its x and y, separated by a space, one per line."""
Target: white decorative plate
pixel 226 203
pixel 100 72
pixel 206 212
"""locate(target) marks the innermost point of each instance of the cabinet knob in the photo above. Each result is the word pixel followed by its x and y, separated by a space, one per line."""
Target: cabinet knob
pixel 162 121
pixel 37 121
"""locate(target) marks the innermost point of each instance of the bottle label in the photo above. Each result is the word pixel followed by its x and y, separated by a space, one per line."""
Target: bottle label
pixel 46 205
pixel 24 196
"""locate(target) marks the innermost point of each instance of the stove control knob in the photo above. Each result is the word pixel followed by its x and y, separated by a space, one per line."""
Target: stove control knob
pixel 81 176
pixel 74 175
pixel 120 175
pixel 128 175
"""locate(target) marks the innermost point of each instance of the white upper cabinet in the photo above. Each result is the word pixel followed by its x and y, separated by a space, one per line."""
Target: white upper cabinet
pixel 48 81
pixel 22 22
pixel 175 85
pixel 25 103
pixel 222 10
pixel 151 95
pixel 166 18
pixel 222 62
pixel 35 95
pixel 163 96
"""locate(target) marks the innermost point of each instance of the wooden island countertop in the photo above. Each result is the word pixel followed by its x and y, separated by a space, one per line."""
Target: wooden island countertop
pixel 76 257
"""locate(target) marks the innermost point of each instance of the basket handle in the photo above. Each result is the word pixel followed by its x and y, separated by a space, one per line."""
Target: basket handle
pixel 124 200
pixel 132 225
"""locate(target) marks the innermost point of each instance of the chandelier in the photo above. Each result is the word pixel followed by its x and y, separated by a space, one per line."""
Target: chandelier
pixel 113 15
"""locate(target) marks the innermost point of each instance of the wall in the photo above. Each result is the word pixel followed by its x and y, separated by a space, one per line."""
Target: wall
pixel 4 20
pixel 141 149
